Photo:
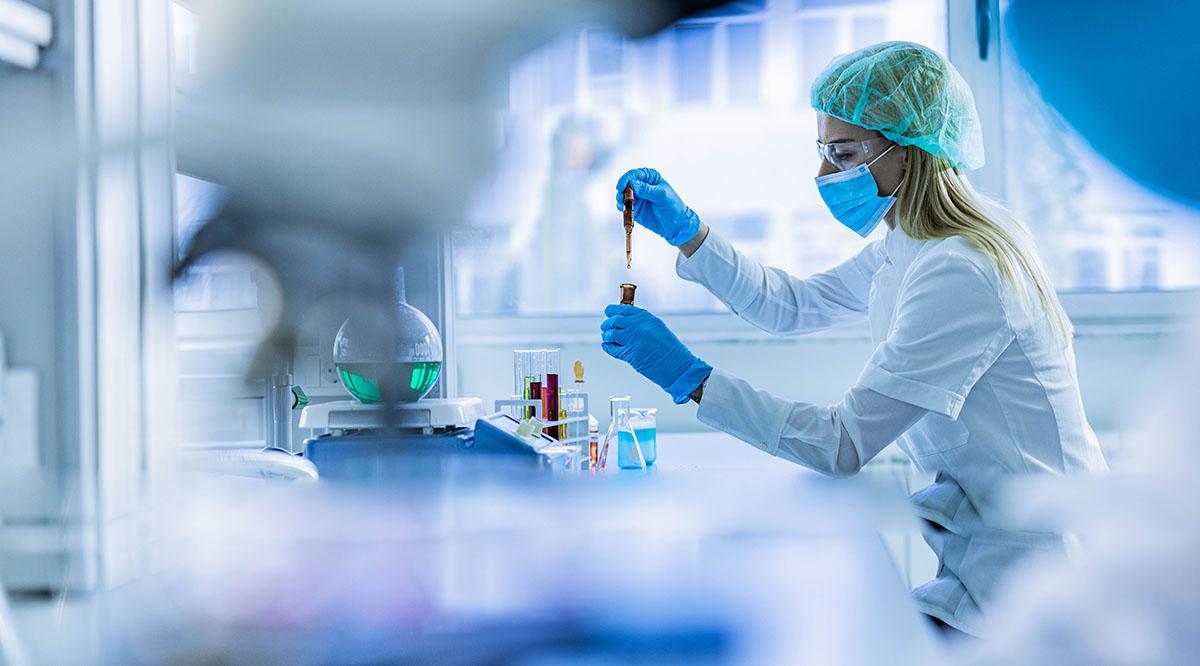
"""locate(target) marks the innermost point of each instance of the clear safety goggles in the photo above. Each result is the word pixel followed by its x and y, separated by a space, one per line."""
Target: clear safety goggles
pixel 845 155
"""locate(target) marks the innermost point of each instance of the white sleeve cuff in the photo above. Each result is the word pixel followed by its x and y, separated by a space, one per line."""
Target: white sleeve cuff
pixel 714 265
pixel 692 268
pixel 731 405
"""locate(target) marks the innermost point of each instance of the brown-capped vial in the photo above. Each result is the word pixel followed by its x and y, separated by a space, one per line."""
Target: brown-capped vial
pixel 627 289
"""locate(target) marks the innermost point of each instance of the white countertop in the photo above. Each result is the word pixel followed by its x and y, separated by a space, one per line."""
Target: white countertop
pixel 791 554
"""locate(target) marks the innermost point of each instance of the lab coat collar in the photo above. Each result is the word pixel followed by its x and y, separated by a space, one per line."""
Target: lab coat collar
pixel 901 249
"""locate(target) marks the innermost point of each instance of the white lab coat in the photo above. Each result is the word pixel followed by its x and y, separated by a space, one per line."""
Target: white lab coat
pixel 967 378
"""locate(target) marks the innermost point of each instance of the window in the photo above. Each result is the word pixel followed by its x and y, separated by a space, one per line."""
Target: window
pixel 560 64
pixel 606 67
pixel 693 63
pixel 745 62
pixel 717 103
pixel 218 323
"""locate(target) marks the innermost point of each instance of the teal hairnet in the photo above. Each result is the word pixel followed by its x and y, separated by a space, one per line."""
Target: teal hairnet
pixel 911 94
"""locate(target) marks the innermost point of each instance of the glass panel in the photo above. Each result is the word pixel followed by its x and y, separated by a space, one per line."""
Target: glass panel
pixel 604 53
pixel 605 65
pixel 545 236
pixel 818 45
pixel 186 32
pixel 1096 229
pixel 560 65
pixel 693 63
pixel 745 62
pixel 218 323
pixel 869 29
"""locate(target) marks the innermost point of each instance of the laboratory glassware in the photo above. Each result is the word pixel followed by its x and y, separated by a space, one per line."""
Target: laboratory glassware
pixel 574 406
pixel 627 221
pixel 645 425
pixel 629 452
pixel 523 378
pixel 550 394
pixel 391 352
pixel 537 372
pixel 627 292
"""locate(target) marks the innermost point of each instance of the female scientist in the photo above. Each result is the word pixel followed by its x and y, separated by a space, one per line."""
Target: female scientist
pixel 973 372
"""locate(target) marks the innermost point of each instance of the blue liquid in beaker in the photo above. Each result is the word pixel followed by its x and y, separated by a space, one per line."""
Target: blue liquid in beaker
pixel 627 457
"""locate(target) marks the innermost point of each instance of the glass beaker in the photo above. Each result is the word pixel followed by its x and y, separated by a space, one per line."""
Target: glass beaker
pixel 645 425
pixel 629 452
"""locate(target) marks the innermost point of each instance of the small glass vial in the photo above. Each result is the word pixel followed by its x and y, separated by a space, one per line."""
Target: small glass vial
pixel 644 421
pixel 593 441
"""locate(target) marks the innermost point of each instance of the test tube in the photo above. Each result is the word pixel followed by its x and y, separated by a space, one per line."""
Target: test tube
pixel 537 370
pixel 550 393
pixel 572 401
pixel 519 377
pixel 519 372
pixel 522 378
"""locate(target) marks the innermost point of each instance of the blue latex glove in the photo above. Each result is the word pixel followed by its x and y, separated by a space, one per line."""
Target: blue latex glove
pixel 642 340
pixel 657 207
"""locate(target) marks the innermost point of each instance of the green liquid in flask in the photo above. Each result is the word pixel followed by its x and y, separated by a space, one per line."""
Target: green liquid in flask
pixel 360 379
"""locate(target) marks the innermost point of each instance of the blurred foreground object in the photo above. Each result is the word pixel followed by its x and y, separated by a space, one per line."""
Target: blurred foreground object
pixel 1134 595
pixel 24 31
pixel 772 566
pixel 1120 72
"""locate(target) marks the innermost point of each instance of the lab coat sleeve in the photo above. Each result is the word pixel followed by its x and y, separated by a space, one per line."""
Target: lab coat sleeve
pixel 776 302
pixel 949 327
pixel 836 440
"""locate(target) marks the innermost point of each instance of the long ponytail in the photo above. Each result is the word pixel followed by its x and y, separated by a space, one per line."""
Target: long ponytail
pixel 936 201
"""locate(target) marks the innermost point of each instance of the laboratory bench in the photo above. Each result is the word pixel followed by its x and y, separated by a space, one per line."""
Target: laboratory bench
pixel 790 559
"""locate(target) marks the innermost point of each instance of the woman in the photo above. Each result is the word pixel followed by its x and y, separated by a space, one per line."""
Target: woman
pixel 973 373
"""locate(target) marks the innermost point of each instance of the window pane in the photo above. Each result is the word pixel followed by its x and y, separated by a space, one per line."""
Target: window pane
pixel 545 236
pixel 693 63
pixel 1096 229
pixel 869 29
pixel 604 53
pixel 605 65
pixel 818 45
pixel 196 202
pixel 745 61
pixel 560 59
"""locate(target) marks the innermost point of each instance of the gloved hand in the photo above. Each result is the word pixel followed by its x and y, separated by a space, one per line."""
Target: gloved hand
pixel 657 207
pixel 642 340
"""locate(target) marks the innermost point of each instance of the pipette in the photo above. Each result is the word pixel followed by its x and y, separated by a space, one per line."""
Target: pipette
pixel 628 221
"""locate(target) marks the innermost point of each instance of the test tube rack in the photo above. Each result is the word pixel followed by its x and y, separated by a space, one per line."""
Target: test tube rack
pixel 520 406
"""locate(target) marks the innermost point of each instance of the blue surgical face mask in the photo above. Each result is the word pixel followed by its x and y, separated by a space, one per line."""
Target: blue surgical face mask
pixel 853 197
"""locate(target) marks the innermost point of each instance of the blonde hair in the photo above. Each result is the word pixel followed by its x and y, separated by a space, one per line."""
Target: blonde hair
pixel 936 201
